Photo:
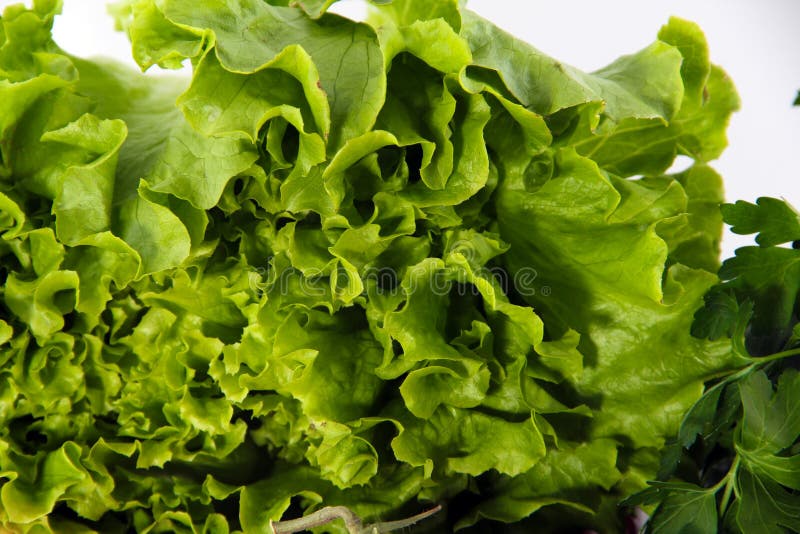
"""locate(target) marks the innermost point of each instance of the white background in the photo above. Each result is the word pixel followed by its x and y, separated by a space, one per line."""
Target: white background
pixel 756 41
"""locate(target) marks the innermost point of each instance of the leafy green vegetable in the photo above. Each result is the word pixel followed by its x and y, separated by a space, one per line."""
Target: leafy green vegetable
pixel 750 419
pixel 760 479
pixel 683 508
pixel 376 265
pixel 767 275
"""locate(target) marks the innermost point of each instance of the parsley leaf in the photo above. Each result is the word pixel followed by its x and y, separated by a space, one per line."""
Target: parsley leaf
pixel 770 422
pixel 761 475
pixel 716 318
pixel 764 506
pixel 748 421
pixel 684 508
pixel 767 275
pixel 774 220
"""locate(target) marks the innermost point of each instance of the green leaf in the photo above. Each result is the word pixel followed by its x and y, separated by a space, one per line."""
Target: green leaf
pixel 718 315
pixel 220 102
pixel 685 512
pixel 768 276
pixel 775 221
pixel 151 228
pixel 42 303
pixel 632 145
pixel 364 265
pixel 83 206
pixel 453 440
pixel 250 34
pixel 697 243
pixel 343 457
pixel 426 30
pixel 562 477
pixel 407 12
pixel 770 422
pixel 197 168
pixel 760 268
pixel 784 470
pixel 682 507
pixel 700 415
pixel 613 296
pixel 418 326
pixel 471 159
pixel 459 384
pixel 37 483
pixel 545 85
pixel 764 506
pixel 765 275
pixel 428 124
pixel 103 263
pixel 156 41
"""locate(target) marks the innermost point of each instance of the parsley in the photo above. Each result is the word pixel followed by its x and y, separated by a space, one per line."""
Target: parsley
pixel 735 463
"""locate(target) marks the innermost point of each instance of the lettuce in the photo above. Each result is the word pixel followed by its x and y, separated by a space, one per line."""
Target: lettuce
pixel 374 265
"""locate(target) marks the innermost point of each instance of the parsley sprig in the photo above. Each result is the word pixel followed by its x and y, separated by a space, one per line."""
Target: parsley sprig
pixel 735 463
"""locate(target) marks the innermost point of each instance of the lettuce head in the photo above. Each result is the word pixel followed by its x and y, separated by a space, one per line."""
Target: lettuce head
pixel 379 265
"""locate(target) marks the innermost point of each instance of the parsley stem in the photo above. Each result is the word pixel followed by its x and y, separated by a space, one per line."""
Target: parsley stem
pixel 729 480
pixel 756 362
pixel 778 356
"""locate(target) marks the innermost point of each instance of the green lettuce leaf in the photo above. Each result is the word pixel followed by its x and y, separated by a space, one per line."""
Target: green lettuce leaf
pixel 376 265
